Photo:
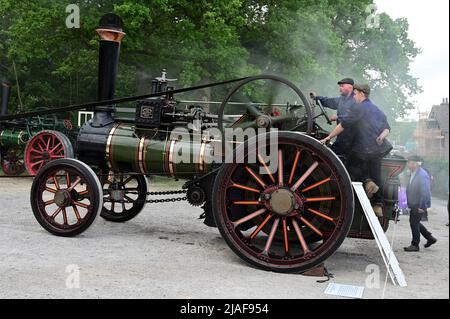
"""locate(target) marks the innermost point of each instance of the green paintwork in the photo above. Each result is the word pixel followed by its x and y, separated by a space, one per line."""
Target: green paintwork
pixel 11 138
pixel 125 154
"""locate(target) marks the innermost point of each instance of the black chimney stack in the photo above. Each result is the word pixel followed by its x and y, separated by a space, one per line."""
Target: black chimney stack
pixel 111 34
pixel 6 93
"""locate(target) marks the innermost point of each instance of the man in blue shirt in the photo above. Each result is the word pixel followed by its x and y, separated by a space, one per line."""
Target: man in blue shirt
pixel 418 195
pixel 341 104
pixel 370 128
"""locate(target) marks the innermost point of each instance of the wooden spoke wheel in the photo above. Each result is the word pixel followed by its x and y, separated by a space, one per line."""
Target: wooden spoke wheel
pixel 44 147
pixel 66 196
pixel 124 197
pixel 266 101
pixel 12 162
pixel 306 202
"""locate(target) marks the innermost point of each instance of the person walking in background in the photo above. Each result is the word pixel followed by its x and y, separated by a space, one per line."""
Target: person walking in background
pixel 431 178
pixel 418 194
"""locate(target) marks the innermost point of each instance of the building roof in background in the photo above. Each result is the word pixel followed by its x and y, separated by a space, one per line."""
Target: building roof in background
pixel 440 113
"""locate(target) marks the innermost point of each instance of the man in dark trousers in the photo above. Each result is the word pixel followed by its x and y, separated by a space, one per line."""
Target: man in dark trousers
pixel 342 104
pixel 418 193
pixel 370 127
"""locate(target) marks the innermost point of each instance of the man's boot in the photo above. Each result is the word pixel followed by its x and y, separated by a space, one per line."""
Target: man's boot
pixel 412 248
pixel 370 188
pixel 430 242
pixel 378 209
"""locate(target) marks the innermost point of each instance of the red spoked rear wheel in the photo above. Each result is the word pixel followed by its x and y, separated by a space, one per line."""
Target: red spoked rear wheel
pixel 66 196
pixel 307 203
pixel 44 147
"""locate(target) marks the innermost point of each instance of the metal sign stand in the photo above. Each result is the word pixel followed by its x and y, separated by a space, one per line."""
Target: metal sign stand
pixel 393 267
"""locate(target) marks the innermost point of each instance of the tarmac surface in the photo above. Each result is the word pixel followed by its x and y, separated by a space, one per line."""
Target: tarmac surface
pixel 166 252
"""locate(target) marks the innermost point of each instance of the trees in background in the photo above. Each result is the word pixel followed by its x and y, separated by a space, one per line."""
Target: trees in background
pixel 312 42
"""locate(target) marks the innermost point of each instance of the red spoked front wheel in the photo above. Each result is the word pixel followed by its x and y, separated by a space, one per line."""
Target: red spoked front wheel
pixel 66 196
pixel 307 204
pixel 44 147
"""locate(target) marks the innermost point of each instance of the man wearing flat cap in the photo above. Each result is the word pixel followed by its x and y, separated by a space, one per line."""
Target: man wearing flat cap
pixel 418 194
pixel 342 104
pixel 370 127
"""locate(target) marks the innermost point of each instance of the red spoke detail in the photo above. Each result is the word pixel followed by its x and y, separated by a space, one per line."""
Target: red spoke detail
pixel 319 199
pixel 316 185
pixel 305 176
pixel 294 166
pixel 40 166
pixel 320 214
pixel 83 193
pixel 53 150
pixel 257 230
pixel 50 202
pixel 37 163
pixel 36 151
pixel 56 182
pixel 280 168
pixel 254 190
pixel 41 140
pixel 49 140
pixel 307 223
pixel 56 156
pixel 65 216
pixel 77 213
pixel 247 203
pixel 51 190
pixel 261 160
pixel 56 212
pixel 249 217
pixel 40 146
pixel 271 236
pixel 300 237
pixel 67 180
pixel 80 204
pixel 249 170
pixel 77 181
pixel 286 241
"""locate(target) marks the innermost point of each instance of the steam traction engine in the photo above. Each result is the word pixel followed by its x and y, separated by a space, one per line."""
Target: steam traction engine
pixel 28 144
pixel 287 219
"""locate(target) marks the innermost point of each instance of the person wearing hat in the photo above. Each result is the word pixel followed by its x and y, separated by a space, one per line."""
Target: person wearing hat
pixel 418 194
pixel 342 104
pixel 370 127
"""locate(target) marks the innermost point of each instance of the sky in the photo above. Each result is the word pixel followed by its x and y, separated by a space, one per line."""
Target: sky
pixel 429 29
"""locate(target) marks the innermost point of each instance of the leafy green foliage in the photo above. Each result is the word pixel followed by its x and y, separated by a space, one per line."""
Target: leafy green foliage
pixel 312 42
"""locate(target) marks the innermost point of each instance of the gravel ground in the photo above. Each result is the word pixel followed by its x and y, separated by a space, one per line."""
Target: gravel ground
pixel 166 252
